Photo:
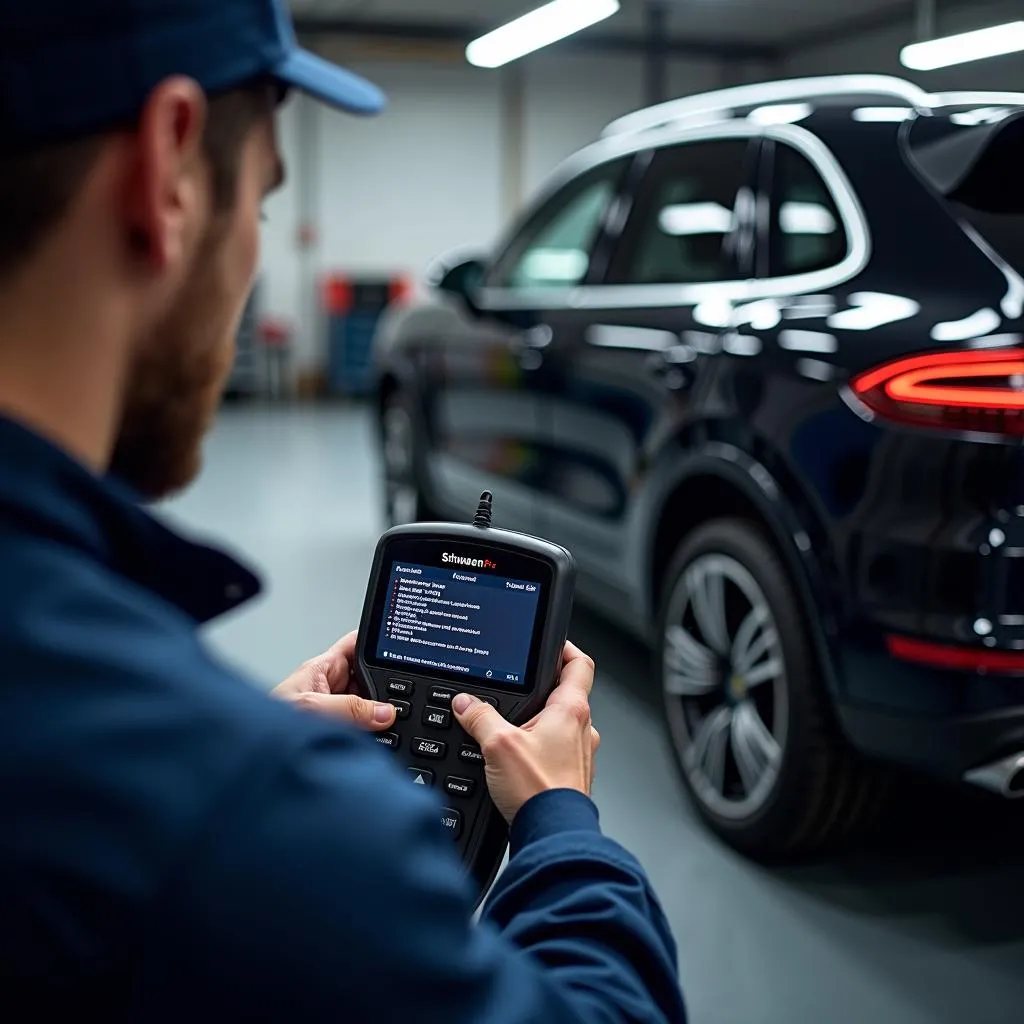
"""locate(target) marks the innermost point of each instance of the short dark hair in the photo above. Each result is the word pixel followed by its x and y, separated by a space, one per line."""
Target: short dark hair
pixel 37 188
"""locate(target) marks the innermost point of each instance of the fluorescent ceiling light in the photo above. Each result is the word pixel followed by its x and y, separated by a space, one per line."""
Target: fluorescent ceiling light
pixel 968 46
pixel 696 219
pixel 538 29
pixel 879 114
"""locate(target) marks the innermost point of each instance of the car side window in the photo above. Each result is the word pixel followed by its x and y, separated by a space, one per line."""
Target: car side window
pixel 555 248
pixel 682 225
pixel 807 228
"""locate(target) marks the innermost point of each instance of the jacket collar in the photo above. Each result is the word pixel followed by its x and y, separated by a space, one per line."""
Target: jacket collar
pixel 46 493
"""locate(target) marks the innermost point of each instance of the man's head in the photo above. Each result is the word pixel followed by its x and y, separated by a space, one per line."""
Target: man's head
pixel 131 217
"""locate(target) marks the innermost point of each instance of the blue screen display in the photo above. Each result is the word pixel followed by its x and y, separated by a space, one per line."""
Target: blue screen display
pixel 460 621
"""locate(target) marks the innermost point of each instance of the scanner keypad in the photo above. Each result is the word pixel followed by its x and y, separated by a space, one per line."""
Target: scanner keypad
pixel 437 753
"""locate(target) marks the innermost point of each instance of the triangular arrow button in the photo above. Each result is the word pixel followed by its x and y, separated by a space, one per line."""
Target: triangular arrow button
pixel 421 776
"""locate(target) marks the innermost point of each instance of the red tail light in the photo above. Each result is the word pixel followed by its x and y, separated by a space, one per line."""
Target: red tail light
pixel 946 656
pixel 980 390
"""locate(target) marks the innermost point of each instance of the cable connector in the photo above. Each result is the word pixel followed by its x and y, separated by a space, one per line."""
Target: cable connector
pixel 484 511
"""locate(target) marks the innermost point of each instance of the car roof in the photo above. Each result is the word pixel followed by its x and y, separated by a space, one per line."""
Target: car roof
pixel 874 97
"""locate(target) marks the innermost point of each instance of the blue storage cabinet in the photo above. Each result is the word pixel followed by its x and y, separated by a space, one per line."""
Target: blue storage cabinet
pixel 354 308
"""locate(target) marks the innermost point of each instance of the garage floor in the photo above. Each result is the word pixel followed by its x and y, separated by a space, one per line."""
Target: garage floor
pixel 926 925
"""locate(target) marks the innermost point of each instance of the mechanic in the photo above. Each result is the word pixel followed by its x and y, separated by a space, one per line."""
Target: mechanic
pixel 173 843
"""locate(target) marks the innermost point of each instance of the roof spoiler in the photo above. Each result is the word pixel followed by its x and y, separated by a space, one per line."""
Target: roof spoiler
pixel 981 167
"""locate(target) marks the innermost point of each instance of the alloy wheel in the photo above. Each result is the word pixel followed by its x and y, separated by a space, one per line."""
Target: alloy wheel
pixel 724 680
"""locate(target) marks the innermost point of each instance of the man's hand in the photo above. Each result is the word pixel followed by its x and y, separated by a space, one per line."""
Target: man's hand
pixel 325 685
pixel 555 750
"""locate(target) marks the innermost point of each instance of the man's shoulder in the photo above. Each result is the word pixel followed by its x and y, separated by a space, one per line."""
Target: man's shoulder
pixel 109 689
pixel 124 746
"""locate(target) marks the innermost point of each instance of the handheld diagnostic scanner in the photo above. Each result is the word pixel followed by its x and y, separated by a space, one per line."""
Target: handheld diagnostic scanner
pixel 455 609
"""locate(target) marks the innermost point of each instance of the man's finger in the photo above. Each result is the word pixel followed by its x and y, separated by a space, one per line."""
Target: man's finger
pixel 338 662
pixel 478 718
pixel 366 714
pixel 577 680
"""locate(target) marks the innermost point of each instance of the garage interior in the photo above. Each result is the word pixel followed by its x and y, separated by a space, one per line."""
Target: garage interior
pixel 925 922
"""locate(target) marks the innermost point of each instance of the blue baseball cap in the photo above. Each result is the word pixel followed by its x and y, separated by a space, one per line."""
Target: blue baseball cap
pixel 69 68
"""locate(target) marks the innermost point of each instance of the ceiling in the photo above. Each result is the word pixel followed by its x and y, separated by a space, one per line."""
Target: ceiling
pixel 772 24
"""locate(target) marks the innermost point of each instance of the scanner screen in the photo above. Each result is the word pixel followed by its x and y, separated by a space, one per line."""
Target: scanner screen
pixel 458 621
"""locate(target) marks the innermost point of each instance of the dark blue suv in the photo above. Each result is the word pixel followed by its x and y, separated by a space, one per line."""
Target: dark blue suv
pixel 756 357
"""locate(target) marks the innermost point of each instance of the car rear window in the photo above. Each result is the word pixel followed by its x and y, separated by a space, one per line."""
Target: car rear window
pixel 976 160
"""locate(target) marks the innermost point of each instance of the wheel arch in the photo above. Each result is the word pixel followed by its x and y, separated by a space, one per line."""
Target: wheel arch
pixel 722 481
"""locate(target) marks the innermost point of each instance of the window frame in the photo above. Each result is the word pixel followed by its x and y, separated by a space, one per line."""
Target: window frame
pixel 540 216
pixel 595 295
pixel 639 214
pixel 769 233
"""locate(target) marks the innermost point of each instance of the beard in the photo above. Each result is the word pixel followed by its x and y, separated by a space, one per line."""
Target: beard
pixel 176 381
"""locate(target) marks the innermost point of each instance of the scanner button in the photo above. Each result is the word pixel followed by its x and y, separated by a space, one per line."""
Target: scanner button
pixel 402 708
pixel 459 787
pixel 471 755
pixel 388 739
pixel 452 821
pixel 441 695
pixel 421 776
pixel 434 749
pixel 400 687
pixel 437 718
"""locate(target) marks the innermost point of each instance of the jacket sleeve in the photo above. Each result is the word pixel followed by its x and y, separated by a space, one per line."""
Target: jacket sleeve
pixel 324 889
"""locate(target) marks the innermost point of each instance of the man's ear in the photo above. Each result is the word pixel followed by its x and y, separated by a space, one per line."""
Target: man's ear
pixel 166 192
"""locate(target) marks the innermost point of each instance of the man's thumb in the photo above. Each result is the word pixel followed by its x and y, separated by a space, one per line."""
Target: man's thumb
pixel 478 718
pixel 366 714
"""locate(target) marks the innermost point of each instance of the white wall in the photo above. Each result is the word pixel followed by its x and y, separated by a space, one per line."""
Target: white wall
pixel 568 101
pixel 442 169
pixel 879 52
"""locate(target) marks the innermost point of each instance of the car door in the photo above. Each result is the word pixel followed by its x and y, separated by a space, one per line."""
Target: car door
pixel 488 427
pixel 624 378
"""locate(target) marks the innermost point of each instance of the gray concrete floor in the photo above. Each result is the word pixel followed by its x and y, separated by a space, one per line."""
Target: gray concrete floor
pixel 923 925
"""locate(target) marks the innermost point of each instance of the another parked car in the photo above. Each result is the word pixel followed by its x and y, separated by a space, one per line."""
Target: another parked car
pixel 756 358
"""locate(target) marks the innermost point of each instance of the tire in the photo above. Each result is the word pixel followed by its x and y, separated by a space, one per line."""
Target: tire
pixel 403 463
pixel 749 721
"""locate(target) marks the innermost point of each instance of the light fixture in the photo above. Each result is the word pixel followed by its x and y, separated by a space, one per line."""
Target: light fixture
pixel 539 28
pixel 965 47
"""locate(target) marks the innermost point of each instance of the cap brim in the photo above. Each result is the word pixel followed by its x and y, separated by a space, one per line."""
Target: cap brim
pixel 330 83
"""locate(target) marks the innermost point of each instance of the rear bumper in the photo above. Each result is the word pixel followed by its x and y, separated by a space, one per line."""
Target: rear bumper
pixel 943 747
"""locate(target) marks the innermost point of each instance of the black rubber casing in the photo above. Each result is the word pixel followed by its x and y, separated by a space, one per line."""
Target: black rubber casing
pixel 484 835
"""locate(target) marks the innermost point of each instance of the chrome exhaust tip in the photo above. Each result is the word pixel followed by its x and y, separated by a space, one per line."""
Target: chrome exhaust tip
pixel 1004 778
